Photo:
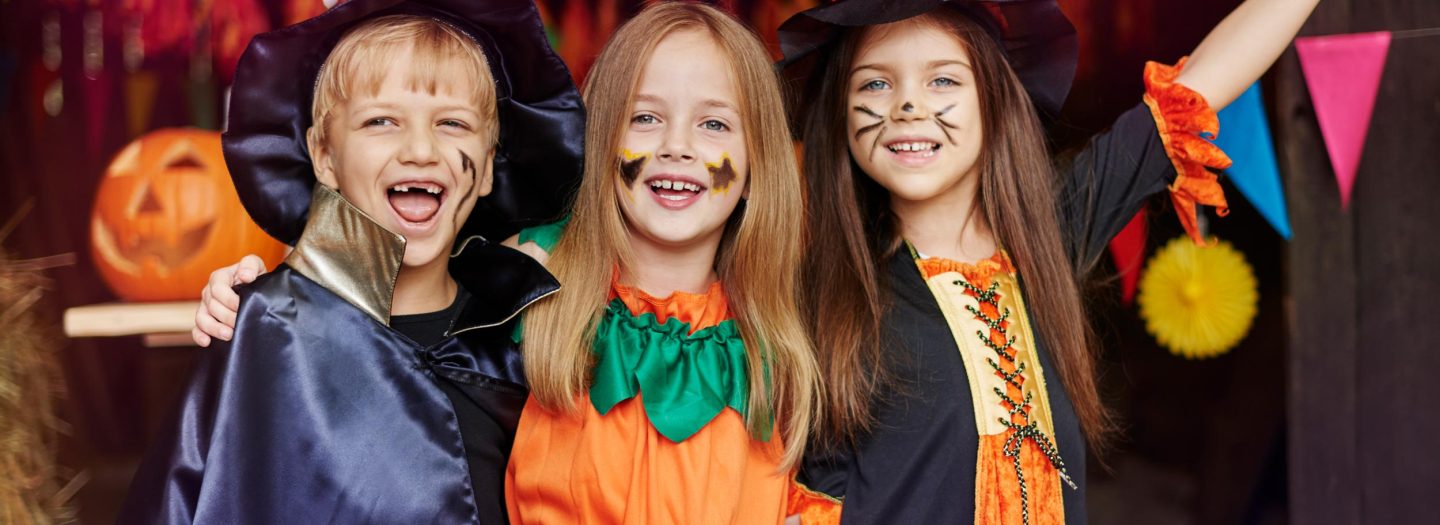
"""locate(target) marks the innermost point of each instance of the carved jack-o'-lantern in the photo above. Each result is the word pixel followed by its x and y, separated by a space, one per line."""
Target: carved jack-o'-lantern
pixel 166 215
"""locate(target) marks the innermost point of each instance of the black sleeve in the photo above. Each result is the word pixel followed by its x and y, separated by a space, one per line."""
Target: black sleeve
pixel 1109 180
pixel 825 472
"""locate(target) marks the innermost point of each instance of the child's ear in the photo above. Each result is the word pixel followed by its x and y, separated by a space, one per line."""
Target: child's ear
pixel 487 179
pixel 320 159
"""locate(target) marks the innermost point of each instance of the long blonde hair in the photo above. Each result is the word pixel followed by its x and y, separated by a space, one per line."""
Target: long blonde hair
pixel 760 253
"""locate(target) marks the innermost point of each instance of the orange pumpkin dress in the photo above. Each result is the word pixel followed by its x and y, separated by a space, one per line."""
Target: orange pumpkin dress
pixel 661 436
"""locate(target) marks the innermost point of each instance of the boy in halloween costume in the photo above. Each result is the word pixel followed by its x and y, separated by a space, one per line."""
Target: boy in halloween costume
pixel 372 377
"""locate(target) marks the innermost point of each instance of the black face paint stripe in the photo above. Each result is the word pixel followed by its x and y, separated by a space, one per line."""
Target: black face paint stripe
pixel 866 129
pixel 876 145
pixel 945 127
pixel 467 164
pixel 866 110
pixel 907 107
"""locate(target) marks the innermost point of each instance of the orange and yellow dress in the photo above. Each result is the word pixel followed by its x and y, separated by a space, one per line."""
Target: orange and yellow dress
pixel 979 427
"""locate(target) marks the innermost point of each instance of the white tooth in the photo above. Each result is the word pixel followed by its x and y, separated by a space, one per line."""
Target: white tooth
pixel 434 190
pixel 665 184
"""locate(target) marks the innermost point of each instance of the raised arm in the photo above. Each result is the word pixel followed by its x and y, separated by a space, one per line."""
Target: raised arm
pixel 1242 47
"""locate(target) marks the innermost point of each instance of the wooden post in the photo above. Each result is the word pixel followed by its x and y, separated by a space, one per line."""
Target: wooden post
pixel 1364 286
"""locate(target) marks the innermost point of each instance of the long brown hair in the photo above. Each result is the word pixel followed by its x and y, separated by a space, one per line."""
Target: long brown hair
pixel 759 258
pixel 853 233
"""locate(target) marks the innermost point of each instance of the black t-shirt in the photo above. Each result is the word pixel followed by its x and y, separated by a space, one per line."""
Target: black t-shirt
pixel 430 328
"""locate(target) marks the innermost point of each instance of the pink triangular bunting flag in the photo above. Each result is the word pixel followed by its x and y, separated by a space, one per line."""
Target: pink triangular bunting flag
pixel 1128 251
pixel 1343 74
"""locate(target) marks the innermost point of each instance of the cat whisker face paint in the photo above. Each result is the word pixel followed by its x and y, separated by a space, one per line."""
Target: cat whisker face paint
pixel 912 87
pixel 945 126
pixel 879 124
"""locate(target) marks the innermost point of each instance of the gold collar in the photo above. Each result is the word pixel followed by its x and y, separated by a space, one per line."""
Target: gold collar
pixel 349 254
pixel 345 251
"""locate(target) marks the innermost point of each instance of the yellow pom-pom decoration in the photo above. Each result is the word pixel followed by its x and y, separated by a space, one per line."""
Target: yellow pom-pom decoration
pixel 1198 301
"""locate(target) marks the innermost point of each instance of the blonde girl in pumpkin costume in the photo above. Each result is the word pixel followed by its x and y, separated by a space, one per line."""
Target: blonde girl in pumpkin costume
pixel 671 379
pixel 941 274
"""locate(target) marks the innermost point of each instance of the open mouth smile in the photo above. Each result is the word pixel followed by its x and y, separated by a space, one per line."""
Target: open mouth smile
pixel 913 148
pixel 912 151
pixel 416 203
pixel 675 191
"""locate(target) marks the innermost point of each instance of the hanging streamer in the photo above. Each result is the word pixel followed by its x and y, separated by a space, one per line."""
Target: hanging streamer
pixel 1253 169
pixel 1343 74
pixel 1128 251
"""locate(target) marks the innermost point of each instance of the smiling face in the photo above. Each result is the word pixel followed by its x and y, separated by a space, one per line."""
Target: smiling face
pixel 683 163
pixel 914 112
pixel 413 159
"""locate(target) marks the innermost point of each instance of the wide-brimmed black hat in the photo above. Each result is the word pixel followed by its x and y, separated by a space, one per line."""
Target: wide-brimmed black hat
pixel 542 122
pixel 1039 42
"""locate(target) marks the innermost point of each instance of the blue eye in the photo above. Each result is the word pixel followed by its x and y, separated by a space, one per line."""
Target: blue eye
pixel 945 82
pixel 714 125
pixel 874 85
pixel 380 121
pixel 450 122
pixel 644 118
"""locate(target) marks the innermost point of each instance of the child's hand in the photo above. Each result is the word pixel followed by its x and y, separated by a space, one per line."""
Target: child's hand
pixel 218 302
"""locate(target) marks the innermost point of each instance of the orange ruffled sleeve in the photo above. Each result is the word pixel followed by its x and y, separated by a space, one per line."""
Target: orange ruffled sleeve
pixel 813 507
pixel 1181 115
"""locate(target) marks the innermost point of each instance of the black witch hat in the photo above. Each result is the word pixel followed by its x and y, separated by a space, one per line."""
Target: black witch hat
pixel 539 158
pixel 1039 42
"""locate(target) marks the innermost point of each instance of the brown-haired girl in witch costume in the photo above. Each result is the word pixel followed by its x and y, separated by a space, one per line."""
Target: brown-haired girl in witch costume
pixel 672 379
pixel 941 274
